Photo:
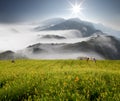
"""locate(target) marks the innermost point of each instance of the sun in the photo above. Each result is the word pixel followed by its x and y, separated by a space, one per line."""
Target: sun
pixel 76 8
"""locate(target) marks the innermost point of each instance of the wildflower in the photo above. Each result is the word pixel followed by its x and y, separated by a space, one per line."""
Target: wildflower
pixel 76 79
pixel 64 83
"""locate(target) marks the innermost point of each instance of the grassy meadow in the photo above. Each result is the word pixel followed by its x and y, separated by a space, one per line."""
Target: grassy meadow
pixel 59 80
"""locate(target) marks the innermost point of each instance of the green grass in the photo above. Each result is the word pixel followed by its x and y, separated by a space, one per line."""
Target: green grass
pixel 59 80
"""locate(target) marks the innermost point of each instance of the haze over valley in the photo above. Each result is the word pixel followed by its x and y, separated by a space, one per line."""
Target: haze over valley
pixel 65 39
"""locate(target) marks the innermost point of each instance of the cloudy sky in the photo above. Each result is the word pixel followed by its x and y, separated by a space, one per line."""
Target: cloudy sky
pixel 106 12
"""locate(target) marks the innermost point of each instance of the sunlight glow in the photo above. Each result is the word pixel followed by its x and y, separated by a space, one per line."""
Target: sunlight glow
pixel 76 8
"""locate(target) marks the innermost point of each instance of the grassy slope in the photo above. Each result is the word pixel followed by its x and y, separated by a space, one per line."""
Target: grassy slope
pixel 60 80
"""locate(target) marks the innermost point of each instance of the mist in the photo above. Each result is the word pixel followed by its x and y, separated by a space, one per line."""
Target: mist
pixel 57 55
pixel 17 37
pixel 56 44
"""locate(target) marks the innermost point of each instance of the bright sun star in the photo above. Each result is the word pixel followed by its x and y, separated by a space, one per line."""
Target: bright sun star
pixel 76 8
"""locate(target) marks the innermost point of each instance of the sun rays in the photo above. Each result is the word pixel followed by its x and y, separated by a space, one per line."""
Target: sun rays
pixel 76 8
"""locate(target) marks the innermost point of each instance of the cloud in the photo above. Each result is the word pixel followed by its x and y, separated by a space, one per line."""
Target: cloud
pixel 16 37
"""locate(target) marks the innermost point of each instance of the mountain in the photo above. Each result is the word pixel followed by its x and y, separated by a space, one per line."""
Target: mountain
pixel 107 30
pixel 11 55
pixel 86 28
pixel 44 48
pixel 48 23
pixel 102 46
pixel 52 37
pixel 106 46
pixel 7 55
pixel 52 21
pixel 62 24
pixel 59 39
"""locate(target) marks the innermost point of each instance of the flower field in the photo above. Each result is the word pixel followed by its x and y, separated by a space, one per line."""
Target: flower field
pixel 59 80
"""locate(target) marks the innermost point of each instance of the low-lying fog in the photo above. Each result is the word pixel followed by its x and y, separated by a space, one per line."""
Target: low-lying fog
pixel 17 37
pixel 64 55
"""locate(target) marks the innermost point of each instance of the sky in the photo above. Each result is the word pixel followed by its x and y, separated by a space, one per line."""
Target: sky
pixel 106 12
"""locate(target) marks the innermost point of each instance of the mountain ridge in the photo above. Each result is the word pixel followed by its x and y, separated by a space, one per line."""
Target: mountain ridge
pixel 107 48
pixel 86 28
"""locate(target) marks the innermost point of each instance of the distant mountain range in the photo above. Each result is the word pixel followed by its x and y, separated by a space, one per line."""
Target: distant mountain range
pixel 7 55
pixel 106 47
pixel 99 44
pixel 85 28
pixel 11 55
pixel 76 23
pixel 107 30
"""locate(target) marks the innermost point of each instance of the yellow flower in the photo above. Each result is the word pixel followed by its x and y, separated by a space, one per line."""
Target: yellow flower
pixel 76 79
pixel 64 83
